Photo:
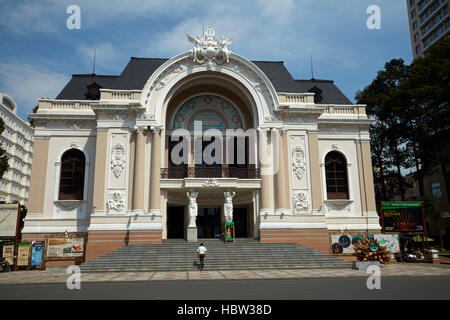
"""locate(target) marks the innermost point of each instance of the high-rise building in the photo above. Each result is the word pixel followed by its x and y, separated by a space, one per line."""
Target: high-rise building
pixel 428 23
pixel 17 140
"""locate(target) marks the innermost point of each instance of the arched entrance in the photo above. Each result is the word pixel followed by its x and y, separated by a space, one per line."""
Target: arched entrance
pixel 207 103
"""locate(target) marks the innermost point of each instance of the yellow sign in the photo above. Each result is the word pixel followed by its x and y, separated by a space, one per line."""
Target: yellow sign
pixel 392 214
pixel 8 253
pixel 23 254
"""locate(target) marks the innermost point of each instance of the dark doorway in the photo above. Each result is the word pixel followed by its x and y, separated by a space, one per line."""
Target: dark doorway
pixel 208 223
pixel 240 222
pixel 175 222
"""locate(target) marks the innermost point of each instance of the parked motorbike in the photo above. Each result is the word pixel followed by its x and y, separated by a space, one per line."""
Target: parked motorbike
pixel 414 256
pixel 4 266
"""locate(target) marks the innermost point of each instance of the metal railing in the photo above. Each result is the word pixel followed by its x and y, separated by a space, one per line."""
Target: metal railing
pixel 209 172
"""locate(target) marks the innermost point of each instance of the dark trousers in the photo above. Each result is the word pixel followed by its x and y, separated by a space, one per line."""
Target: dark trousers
pixel 202 257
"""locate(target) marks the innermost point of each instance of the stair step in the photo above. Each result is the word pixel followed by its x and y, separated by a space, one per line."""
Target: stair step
pixel 245 254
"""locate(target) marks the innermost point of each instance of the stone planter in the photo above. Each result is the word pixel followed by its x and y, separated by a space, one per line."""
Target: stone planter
pixel 363 265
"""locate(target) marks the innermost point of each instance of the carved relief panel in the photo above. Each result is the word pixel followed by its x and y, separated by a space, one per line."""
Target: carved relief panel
pixel 298 164
pixel 117 166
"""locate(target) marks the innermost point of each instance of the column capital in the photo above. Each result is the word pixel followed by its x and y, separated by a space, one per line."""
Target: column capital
pixel 139 129
pixel 156 129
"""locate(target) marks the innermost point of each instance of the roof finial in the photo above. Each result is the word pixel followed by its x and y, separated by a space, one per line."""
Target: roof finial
pixel 95 55
pixel 312 69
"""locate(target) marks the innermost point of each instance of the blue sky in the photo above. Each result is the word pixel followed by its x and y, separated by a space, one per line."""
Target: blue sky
pixel 39 53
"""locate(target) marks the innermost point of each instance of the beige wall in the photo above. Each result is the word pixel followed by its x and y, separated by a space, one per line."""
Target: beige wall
pixel 38 178
pixel 100 170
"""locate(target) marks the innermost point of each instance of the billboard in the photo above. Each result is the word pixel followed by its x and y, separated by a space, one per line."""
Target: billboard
pixel 344 243
pixel 402 217
pixel 65 247
pixel 9 219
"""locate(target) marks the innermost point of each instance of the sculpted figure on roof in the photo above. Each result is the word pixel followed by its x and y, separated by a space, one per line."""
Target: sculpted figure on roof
pixel 209 49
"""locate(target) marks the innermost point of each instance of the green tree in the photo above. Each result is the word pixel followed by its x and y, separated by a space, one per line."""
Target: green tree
pixel 427 92
pixel 434 213
pixel 31 121
pixel 389 153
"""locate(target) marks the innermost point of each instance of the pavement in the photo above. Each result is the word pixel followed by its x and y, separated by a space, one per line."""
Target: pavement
pixel 58 275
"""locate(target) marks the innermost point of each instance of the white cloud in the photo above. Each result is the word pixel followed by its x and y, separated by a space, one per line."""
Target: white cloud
pixel 30 16
pixel 106 55
pixel 27 83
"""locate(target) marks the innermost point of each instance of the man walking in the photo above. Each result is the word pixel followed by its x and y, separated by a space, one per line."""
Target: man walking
pixel 201 251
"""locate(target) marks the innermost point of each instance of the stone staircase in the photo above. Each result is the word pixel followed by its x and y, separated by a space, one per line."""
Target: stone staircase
pixel 179 255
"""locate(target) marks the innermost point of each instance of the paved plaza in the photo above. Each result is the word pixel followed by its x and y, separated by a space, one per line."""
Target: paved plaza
pixel 56 275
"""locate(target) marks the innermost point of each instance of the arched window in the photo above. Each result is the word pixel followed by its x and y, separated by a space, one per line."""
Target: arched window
pixel 336 176
pixel 71 183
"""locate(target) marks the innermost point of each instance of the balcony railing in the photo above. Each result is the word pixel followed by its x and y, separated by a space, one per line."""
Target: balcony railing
pixel 209 172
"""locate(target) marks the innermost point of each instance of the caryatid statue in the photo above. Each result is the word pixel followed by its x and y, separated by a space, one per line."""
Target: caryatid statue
pixel 228 207
pixel 192 208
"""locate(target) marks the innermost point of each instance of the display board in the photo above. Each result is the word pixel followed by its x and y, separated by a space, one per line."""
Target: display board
pixel 9 219
pixel 343 243
pixel 391 241
pixel 402 217
pixel 65 247
pixel 8 253
pixel 229 231
pixel 37 253
pixel 23 254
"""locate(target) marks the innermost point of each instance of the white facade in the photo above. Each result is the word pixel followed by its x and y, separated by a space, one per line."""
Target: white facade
pixel 17 140
pixel 129 194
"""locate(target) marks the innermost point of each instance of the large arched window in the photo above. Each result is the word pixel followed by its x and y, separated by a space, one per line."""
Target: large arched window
pixel 71 183
pixel 336 176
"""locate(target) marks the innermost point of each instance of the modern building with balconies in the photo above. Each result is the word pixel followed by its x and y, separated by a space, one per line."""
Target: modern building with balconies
pixel 17 140
pixel 428 23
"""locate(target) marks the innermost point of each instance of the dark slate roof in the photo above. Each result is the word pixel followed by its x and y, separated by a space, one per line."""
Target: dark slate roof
pixel 138 70
pixel 330 93
pixel 76 88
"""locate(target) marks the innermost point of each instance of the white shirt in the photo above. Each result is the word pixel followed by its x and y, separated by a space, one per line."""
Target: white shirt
pixel 201 250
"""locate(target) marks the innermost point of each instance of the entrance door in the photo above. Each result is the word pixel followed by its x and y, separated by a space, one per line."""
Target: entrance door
pixel 175 222
pixel 208 223
pixel 240 222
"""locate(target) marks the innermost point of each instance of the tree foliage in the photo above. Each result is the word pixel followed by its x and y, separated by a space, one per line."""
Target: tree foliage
pixel 411 129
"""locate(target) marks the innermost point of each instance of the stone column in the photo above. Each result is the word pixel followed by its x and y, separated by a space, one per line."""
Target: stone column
pixel 314 164
pixel 367 191
pixel 266 173
pixel 286 172
pixel 139 168
pixel 155 173
pixel 100 170
pixel 280 180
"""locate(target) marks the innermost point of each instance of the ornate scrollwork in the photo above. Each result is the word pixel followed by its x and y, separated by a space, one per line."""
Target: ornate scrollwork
pixel 118 159
pixel 298 162
pixel 115 203
pixel 301 202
